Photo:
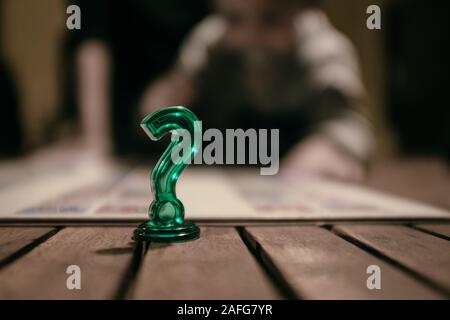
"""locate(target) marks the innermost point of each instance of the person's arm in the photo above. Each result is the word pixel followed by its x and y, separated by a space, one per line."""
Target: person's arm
pixel 338 147
pixel 171 89
pixel 93 77
pixel 341 140
pixel 176 87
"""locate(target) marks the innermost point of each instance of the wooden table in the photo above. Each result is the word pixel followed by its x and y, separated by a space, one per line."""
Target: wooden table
pixel 315 261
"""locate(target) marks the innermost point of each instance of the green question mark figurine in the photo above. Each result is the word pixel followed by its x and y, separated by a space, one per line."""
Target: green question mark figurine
pixel 166 212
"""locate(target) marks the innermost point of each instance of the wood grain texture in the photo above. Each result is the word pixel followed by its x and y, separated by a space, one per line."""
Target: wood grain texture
pixel 420 252
pixel 13 239
pixel 439 229
pixel 103 254
pixel 216 266
pixel 320 265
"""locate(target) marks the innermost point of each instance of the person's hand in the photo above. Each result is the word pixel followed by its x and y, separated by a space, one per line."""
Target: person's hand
pixel 169 90
pixel 319 156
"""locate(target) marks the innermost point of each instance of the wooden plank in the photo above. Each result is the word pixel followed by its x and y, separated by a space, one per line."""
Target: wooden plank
pixel 13 239
pixel 424 179
pixel 422 253
pixel 216 266
pixel 442 230
pixel 320 265
pixel 103 255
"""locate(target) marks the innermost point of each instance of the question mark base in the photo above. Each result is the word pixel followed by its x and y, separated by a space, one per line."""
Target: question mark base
pixel 150 233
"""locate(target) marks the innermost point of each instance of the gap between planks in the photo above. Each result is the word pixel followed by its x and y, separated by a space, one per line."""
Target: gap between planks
pixel 16 242
pixel 420 254
pixel 318 264
pixel 104 256
pixel 32 238
pixel 216 266
pixel 438 230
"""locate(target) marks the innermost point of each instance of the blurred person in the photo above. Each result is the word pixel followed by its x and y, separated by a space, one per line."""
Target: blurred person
pixel 275 64
pixel 120 48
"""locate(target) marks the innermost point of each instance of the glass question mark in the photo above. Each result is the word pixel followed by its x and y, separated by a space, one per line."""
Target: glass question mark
pixel 166 212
